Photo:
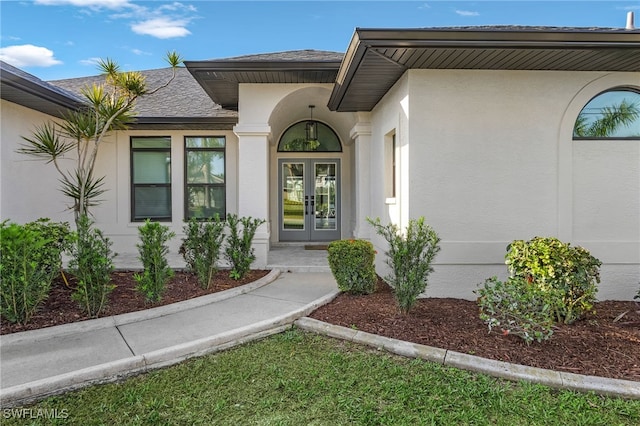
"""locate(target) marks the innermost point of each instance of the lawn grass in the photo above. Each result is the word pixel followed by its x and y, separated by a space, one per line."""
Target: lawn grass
pixel 298 378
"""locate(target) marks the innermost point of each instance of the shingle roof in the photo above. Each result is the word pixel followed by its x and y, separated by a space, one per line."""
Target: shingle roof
pixel 183 98
pixel 307 55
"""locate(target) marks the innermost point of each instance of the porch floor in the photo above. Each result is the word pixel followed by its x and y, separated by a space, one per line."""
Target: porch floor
pixel 286 257
pixel 295 258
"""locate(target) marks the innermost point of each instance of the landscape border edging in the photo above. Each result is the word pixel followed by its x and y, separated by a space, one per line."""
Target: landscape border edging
pixel 601 385
pixel 123 319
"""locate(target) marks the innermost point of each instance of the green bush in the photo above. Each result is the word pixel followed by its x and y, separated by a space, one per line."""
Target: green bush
pixel 410 257
pixel 60 238
pixel 201 247
pixel 568 274
pixel 516 307
pixel 352 265
pixel 92 265
pixel 31 257
pixel 153 251
pixel 239 252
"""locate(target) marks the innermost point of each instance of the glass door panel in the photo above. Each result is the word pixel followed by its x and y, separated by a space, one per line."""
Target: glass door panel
pixel 293 193
pixel 325 196
pixel 309 200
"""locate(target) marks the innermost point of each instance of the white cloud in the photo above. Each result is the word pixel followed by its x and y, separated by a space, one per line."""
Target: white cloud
pixel 28 55
pixel 162 27
pixel 90 61
pixel 167 20
pixel 177 6
pixel 424 6
pixel 93 4
pixel 467 13
pixel 140 52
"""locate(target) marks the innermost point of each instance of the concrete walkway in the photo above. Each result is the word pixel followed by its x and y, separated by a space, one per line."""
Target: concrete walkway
pixel 48 361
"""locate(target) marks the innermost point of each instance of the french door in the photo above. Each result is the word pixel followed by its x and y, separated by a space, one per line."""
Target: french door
pixel 309 199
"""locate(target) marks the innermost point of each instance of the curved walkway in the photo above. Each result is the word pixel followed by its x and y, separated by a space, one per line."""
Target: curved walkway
pixel 39 363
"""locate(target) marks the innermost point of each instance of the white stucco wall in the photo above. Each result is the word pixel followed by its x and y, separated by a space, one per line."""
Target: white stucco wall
pixel 30 188
pixel 487 157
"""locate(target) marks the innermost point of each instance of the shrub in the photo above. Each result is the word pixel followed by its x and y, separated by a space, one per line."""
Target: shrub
pixel 516 307
pixel 153 251
pixel 31 257
pixel 410 257
pixel 201 247
pixel 60 238
pixel 351 263
pixel 92 265
pixel 569 274
pixel 239 252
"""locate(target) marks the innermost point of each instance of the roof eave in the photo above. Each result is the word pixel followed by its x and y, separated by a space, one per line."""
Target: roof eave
pixel 58 101
pixel 221 70
pixel 531 38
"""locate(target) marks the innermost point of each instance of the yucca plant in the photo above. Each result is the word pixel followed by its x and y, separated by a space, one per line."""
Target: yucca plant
pixel 108 107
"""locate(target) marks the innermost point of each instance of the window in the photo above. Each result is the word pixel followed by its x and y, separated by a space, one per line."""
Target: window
pixel 390 165
pixel 294 139
pixel 205 193
pixel 151 178
pixel 614 114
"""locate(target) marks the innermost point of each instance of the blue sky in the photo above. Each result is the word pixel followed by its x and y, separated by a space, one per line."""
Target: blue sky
pixel 56 39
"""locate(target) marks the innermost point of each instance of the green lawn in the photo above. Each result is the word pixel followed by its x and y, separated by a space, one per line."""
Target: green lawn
pixel 296 378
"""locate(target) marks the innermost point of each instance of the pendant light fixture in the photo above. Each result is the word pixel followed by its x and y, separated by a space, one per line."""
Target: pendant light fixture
pixel 311 127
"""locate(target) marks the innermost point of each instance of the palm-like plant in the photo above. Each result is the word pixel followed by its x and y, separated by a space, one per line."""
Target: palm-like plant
pixel 611 119
pixel 109 106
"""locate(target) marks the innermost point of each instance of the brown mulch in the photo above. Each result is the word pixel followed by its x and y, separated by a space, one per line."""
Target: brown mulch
pixel 59 308
pixel 598 345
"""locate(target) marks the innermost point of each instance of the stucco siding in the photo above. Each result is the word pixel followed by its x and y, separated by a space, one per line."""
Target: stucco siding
pixel 488 159
pixel 29 187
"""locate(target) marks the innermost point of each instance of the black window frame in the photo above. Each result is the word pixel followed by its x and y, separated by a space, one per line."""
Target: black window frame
pixel 634 90
pixel 187 185
pixel 134 185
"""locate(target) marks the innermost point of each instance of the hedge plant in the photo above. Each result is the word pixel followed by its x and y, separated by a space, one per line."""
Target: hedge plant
pixel 569 275
pixel 92 265
pixel 410 256
pixel 352 265
pixel 153 252
pixel 202 247
pixel 516 307
pixel 30 259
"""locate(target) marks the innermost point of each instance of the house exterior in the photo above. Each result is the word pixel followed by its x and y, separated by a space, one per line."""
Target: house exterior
pixel 472 128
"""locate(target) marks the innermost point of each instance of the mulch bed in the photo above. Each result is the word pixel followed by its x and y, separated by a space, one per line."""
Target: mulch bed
pixel 59 308
pixel 595 346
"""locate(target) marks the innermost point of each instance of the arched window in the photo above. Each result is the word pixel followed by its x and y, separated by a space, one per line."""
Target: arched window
pixel 295 139
pixel 614 114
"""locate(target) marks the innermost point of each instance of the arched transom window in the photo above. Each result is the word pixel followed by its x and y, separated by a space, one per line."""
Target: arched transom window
pixel 295 139
pixel 614 114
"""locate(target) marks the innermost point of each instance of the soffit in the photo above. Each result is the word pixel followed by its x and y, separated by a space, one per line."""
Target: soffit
pixel 376 58
pixel 221 78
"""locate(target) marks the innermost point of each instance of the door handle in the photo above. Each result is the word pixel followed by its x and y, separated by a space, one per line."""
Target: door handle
pixel 306 204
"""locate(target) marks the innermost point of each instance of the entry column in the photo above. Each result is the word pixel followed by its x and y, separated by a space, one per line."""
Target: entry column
pixel 253 182
pixel 361 134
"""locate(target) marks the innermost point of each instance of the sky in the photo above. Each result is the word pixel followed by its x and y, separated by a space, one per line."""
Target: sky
pixel 57 39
